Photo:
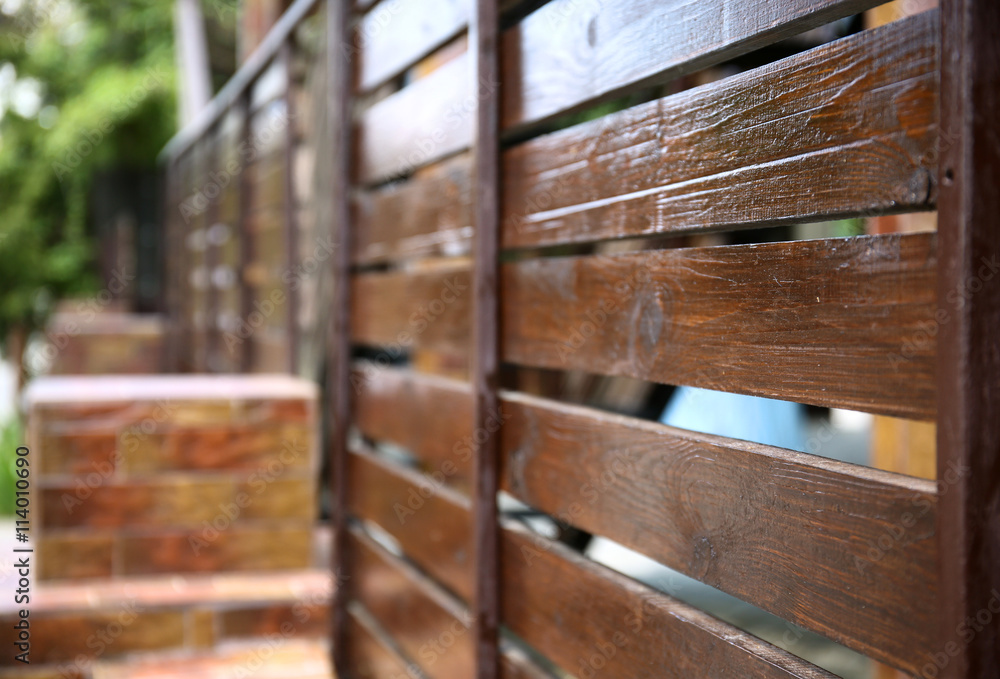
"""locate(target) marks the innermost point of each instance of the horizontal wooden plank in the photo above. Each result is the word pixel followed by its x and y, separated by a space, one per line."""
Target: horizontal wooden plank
pixel 370 652
pixel 838 322
pixel 423 122
pixel 429 416
pixel 401 310
pixel 431 523
pixel 846 128
pixel 573 52
pixel 516 664
pixel 590 620
pixel 396 34
pixel 428 626
pixel 430 214
pixel 752 520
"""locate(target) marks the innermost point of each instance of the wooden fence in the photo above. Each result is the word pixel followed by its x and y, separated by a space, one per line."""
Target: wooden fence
pixel 475 177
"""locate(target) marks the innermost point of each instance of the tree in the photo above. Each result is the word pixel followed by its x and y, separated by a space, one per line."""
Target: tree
pixel 84 86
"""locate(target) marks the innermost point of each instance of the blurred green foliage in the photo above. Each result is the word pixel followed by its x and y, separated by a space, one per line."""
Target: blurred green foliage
pixel 84 86
pixel 10 439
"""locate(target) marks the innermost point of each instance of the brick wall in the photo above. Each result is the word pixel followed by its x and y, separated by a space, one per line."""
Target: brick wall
pixel 172 474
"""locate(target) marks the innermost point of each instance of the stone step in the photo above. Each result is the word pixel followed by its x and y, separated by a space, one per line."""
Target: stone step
pixel 74 626
pixel 290 659
pixel 162 474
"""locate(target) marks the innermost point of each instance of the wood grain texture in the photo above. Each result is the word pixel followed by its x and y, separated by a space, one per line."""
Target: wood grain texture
pixel 968 440
pixel 400 310
pixel 429 416
pixel 839 322
pixel 755 521
pixel 431 524
pixel 430 627
pixel 573 52
pixel 396 34
pixel 429 214
pixel 425 121
pixel 370 652
pixel 594 622
pixel 846 128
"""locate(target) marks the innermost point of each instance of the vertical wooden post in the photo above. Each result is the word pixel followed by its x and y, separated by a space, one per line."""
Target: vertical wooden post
pixel 341 84
pixel 246 237
pixel 290 207
pixel 968 356
pixel 212 253
pixel 486 354
pixel 169 263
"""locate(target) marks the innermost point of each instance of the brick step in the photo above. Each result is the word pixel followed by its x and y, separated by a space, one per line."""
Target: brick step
pixel 161 474
pixel 263 659
pixel 76 625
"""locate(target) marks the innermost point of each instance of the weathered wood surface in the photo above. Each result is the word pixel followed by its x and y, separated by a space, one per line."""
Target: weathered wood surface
pixel 429 416
pixel 400 310
pixel 429 214
pixel 840 322
pixel 432 524
pixel 430 627
pixel 968 438
pixel 587 618
pixel 573 52
pixel 369 651
pixel 846 128
pixel 397 33
pixel 755 521
pixel 425 121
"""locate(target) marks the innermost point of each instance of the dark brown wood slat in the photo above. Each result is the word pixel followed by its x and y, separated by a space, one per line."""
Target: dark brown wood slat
pixel 431 523
pixel 594 622
pixel 573 52
pixel 395 35
pixel 429 416
pixel 752 520
pixel 515 664
pixel 369 651
pixel 845 128
pixel 424 122
pixel 838 322
pixel 430 214
pixel 426 309
pixel 428 626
